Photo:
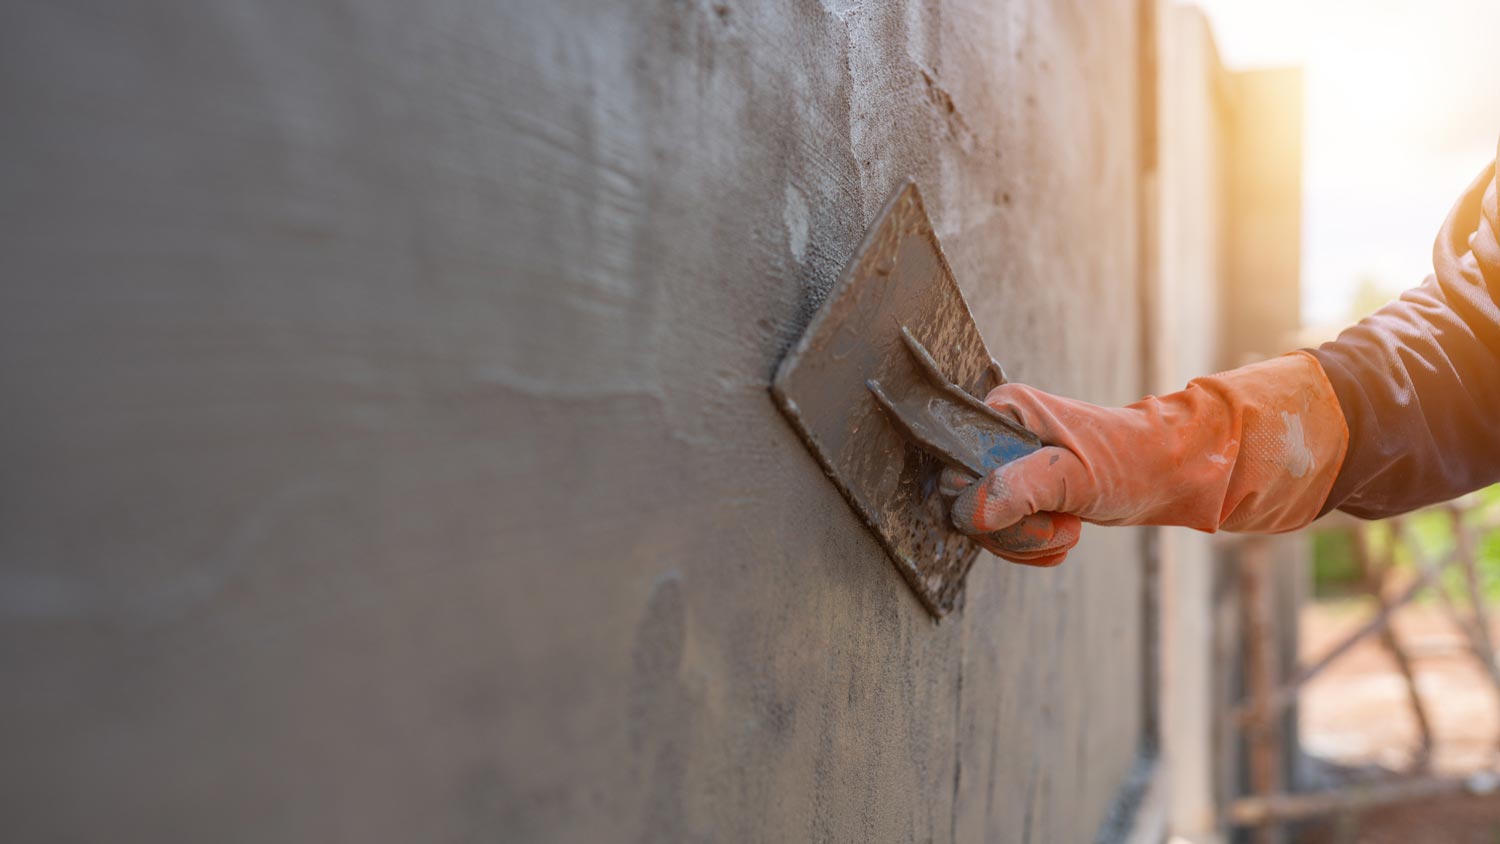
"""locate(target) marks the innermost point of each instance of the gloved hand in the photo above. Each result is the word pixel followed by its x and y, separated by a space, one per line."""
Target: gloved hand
pixel 1255 449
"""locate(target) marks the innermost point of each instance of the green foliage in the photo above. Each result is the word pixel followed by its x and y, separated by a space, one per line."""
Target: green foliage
pixel 1336 573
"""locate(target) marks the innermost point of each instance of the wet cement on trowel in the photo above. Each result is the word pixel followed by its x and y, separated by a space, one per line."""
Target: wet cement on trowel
pixel 897 280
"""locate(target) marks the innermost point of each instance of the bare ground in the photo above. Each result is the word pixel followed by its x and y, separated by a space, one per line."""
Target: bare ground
pixel 1356 719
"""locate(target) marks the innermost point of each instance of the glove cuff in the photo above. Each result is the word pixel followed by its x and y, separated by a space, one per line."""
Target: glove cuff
pixel 1292 441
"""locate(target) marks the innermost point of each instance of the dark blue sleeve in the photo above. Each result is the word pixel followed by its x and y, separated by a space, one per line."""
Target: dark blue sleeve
pixel 1419 380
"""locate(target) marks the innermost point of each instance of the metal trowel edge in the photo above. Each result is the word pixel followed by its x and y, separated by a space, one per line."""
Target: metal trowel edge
pixel 896 322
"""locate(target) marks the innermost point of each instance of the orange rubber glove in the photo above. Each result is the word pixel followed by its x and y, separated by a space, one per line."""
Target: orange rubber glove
pixel 1255 449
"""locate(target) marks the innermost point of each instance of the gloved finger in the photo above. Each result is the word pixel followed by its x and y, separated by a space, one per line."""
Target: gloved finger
pixel 1041 539
pixel 1051 479
pixel 1037 535
pixel 952 482
pixel 1035 410
pixel 1040 561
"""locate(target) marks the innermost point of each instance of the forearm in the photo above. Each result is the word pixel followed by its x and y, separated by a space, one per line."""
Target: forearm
pixel 1419 381
pixel 1402 410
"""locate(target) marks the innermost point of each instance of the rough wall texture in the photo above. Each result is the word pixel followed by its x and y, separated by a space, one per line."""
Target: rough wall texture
pixel 387 448
pixel 1194 260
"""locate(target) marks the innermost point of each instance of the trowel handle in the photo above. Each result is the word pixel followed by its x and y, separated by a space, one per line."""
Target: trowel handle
pixel 965 433
pixel 941 418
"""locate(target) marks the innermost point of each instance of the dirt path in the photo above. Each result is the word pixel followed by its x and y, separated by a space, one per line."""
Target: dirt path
pixel 1356 714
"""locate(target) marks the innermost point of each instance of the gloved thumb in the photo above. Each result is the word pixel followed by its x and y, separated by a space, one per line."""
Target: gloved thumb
pixel 1038 539
pixel 1049 479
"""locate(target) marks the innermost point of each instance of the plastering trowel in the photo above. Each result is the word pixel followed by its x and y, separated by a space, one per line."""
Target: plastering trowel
pixel 885 388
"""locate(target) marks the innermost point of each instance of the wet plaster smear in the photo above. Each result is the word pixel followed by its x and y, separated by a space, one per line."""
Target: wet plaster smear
pixel 388 450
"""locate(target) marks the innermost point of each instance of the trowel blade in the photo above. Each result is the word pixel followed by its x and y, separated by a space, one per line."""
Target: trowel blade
pixel 897 278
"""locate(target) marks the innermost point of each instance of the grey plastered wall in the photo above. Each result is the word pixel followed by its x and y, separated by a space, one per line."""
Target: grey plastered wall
pixel 387 452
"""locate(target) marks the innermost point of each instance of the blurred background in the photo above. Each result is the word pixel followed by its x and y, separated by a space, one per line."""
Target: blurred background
pixel 1401 105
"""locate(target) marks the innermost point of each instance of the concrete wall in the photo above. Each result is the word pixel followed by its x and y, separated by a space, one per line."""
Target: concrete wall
pixel 1194 207
pixel 1261 318
pixel 387 448
pixel 1225 279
